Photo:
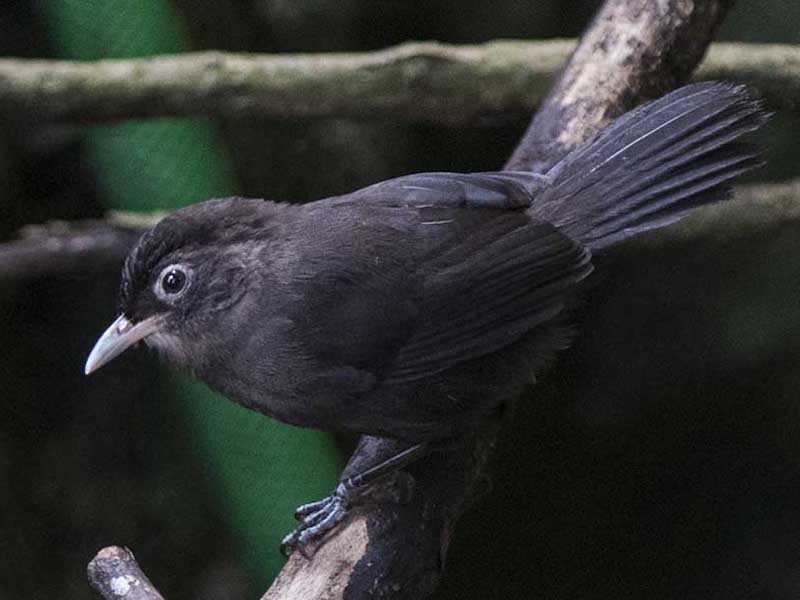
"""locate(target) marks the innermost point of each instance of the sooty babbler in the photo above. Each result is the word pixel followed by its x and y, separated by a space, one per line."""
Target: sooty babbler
pixel 414 308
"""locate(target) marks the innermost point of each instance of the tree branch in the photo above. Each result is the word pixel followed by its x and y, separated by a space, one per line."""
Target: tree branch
pixel 427 82
pixel 69 246
pixel 115 574
pixel 634 50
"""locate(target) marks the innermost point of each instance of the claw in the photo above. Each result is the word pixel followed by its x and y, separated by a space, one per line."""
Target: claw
pixel 331 519
pixel 312 507
pixel 317 519
pixel 289 543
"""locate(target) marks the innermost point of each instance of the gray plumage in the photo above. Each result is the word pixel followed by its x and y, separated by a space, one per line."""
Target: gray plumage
pixel 414 307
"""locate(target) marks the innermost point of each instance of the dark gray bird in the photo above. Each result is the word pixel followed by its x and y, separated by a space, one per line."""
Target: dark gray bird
pixel 414 308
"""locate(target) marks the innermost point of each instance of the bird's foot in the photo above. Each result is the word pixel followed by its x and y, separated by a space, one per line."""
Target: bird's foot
pixel 317 519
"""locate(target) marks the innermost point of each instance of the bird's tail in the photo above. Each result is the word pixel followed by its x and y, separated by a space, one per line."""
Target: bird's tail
pixel 654 165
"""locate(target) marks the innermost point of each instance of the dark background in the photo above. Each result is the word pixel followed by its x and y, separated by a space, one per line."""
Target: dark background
pixel 659 459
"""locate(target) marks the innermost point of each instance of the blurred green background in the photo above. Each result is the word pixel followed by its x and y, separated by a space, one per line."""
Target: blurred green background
pixel 659 459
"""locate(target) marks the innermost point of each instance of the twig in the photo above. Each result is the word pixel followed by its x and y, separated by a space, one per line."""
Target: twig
pixel 428 82
pixel 115 574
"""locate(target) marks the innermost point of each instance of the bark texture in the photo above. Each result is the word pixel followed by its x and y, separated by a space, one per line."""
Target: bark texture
pixel 633 50
pixel 423 82
pixel 115 575
pixel 66 247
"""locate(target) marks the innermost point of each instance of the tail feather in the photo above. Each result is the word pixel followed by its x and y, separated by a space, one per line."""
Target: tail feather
pixel 680 157
pixel 672 207
pixel 661 193
pixel 654 165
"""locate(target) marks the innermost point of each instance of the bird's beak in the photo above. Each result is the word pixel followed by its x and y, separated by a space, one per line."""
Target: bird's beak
pixel 121 335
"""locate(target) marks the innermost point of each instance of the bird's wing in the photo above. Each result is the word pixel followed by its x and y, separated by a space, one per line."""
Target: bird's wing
pixel 501 190
pixel 442 283
pixel 485 289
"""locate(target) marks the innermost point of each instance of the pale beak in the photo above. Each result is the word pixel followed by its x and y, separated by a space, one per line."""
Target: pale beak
pixel 121 335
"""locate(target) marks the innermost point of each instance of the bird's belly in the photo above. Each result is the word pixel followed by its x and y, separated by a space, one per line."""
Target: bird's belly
pixel 350 400
pixel 280 406
pixel 314 398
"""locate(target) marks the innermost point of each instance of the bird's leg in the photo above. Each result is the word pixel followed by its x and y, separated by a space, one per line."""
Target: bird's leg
pixel 373 459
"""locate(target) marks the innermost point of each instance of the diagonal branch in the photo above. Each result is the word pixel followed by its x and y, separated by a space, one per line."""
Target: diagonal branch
pixel 116 575
pixel 634 50
pixel 427 82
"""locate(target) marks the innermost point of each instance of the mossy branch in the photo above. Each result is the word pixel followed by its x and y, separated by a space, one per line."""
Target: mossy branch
pixel 428 82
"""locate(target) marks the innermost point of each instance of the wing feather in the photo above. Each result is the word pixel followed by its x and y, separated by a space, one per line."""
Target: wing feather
pixel 478 296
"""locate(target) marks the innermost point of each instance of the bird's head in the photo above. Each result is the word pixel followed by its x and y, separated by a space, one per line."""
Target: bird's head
pixel 182 277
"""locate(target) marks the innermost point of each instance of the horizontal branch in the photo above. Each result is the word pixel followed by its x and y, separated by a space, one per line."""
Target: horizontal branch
pixel 68 246
pixel 755 207
pixel 428 82
pixel 773 69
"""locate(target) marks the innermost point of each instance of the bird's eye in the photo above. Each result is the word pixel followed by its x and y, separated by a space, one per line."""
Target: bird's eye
pixel 173 280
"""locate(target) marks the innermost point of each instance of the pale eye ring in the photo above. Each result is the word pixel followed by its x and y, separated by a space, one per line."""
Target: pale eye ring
pixel 173 280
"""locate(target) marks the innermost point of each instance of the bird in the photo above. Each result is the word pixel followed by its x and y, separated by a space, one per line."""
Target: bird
pixel 413 309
